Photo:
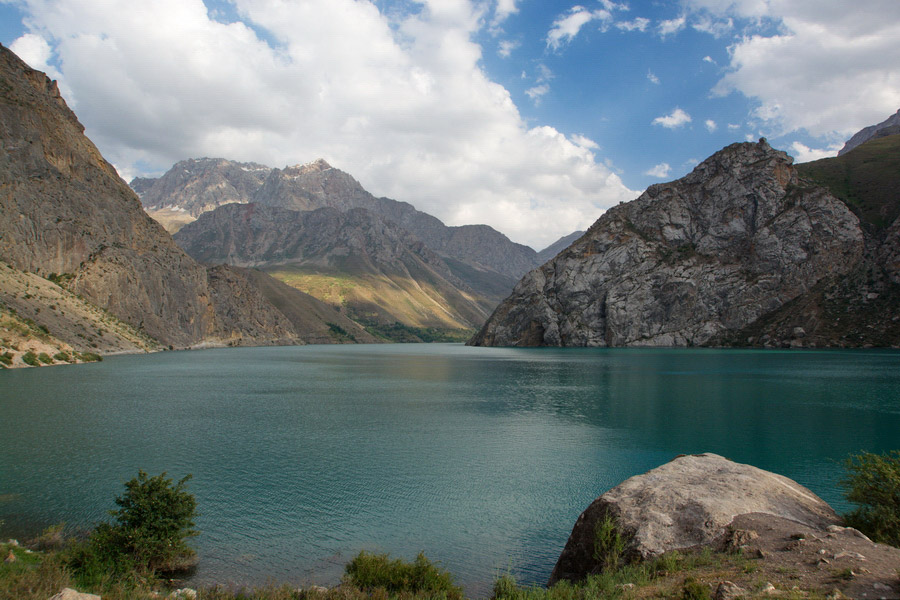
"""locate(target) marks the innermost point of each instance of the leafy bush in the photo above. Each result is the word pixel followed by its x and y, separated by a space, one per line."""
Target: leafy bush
pixel 694 590
pixel 873 484
pixel 62 356
pixel 45 358
pixel 6 358
pixel 153 522
pixel 31 359
pixel 374 571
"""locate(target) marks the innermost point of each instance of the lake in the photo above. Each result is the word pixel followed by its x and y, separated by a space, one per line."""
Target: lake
pixel 480 457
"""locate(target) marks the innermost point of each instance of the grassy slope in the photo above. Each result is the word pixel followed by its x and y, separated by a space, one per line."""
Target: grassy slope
pixel 377 300
pixel 866 178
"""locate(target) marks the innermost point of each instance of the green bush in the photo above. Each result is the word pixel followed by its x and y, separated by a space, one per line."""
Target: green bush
pixel 154 520
pixel 31 359
pixel 609 543
pixel 45 358
pixel 62 356
pixel 6 358
pixel 873 484
pixel 374 571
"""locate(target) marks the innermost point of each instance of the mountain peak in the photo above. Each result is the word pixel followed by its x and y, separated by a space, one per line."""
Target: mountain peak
pixel 317 166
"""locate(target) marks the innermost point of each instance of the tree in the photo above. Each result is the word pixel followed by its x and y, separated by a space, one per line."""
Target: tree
pixel 873 484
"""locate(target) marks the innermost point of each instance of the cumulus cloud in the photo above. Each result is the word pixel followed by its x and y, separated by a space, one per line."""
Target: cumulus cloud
pixel 711 125
pixel 35 51
pixel 401 103
pixel 652 78
pixel 537 92
pixel 503 10
pixel 673 120
pixel 661 170
pixel 803 153
pixel 826 69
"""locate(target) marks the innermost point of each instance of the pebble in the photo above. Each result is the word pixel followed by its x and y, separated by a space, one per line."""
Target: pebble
pixel 853 555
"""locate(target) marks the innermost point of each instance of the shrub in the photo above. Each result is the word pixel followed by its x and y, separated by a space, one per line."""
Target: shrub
pixel 693 589
pixel 373 571
pixel 45 358
pixel 154 520
pixel 609 543
pixel 62 356
pixel 31 359
pixel 6 358
pixel 873 484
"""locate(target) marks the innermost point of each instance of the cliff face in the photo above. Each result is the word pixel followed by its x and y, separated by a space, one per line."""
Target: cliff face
pixel 688 261
pixel 65 211
pixel 890 126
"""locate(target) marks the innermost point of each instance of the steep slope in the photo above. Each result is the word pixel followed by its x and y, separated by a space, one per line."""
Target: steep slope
pixel 65 213
pixel 482 252
pixel 890 126
pixel 388 274
pixel 687 262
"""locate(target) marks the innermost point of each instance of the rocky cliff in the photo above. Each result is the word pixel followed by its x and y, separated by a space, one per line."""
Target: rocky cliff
pixel 688 262
pixel 373 256
pixel 65 213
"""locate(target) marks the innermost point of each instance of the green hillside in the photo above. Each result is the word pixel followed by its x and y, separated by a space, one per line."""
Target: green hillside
pixel 866 178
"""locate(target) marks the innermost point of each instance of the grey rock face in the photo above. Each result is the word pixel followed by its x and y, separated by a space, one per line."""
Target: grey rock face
pixel 558 246
pixel 890 126
pixel 687 502
pixel 687 261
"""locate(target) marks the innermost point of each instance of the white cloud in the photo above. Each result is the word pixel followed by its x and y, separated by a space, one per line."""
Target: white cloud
pixel 673 120
pixel 661 170
pixel 506 47
pixel 35 51
pixel 638 24
pixel 503 10
pixel 671 26
pixel 829 69
pixel 714 27
pixel 537 92
pixel 734 126
pixel 401 103
pixel 584 142
pixel 652 78
pixel 711 125
pixel 709 59
pixel 567 25
pixel 803 153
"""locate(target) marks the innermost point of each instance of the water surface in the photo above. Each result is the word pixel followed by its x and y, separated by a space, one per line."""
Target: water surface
pixel 480 457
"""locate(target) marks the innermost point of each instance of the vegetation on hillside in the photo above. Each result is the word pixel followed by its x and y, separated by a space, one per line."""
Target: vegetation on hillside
pixel 873 484
pixel 866 178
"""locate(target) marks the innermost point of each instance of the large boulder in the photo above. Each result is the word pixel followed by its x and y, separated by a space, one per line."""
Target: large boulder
pixel 688 502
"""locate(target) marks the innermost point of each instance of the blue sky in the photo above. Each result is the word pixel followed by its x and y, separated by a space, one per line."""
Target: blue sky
pixel 531 116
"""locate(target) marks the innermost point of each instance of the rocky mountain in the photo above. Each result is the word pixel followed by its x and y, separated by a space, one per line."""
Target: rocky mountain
pixel 384 273
pixel 558 246
pixel 195 186
pixel 890 126
pixel 65 215
pixel 740 251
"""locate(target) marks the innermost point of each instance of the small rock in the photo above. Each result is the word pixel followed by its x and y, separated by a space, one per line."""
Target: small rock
pixel 883 588
pixel 318 589
pixel 822 551
pixel 835 595
pixel 729 591
pixel 183 594
pixel 823 561
pixel 11 558
pixel 760 553
pixel 625 586
pixel 769 589
pixel 852 555
pixel 799 332
pixel 737 539
pixel 70 594
pixel 11 542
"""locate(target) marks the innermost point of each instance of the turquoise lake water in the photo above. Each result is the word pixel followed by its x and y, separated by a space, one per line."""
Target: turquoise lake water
pixel 480 457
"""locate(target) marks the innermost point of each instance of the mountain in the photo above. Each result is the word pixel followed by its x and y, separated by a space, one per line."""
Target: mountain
pixel 890 126
pixel 558 246
pixel 376 271
pixel 195 186
pixel 741 251
pixel 65 215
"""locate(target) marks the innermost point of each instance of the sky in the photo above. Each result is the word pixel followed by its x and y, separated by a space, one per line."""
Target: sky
pixel 532 116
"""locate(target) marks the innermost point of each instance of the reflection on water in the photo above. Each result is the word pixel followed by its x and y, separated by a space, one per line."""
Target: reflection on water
pixel 480 457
